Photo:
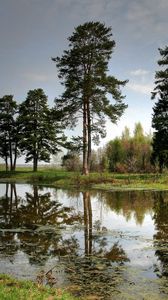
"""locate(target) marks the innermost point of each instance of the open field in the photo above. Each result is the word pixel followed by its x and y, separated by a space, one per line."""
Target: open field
pixel 105 181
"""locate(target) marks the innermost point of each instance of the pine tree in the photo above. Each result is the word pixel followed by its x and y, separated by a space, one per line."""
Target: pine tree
pixel 8 131
pixel 38 131
pixel 83 70
pixel 160 113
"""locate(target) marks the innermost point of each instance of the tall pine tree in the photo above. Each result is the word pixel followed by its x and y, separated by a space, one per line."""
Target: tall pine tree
pixel 83 69
pixel 160 113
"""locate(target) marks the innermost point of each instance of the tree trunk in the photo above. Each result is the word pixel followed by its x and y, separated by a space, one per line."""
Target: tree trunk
pixel 35 156
pixel 6 164
pixel 35 163
pixel 85 140
pixel 89 138
pixel 10 154
pixel 15 158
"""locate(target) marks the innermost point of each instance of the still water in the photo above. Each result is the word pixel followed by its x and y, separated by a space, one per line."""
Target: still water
pixel 111 245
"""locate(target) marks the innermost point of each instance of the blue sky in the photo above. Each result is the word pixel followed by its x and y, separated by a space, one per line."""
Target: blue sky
pixel 33 31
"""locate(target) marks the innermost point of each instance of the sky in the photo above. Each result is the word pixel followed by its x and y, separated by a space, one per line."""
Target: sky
pixel 33 31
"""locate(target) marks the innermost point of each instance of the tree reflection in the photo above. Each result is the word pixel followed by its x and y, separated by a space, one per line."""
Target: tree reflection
pixel 33 224
pixel 8 207
pixel 94 272
pixel 87 222
pixel 41 210
pixel 161 223
pixel 96 242
pixel 8 204
pixel 129 204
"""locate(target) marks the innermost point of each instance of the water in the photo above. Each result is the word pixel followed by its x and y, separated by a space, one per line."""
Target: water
pixel 111 245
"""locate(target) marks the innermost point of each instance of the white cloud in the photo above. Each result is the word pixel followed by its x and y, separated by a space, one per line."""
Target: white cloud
pixel 140 88
pixel 139 72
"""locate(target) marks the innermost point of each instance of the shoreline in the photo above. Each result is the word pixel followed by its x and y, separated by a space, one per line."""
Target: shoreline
pixel 97 181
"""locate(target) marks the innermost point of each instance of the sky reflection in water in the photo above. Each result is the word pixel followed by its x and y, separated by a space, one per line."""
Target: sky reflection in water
pixel 92 232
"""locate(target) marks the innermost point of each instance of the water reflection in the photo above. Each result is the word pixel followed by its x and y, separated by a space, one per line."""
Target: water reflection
pixel 161 236
pixel 95 244
pixel 87 222
pixel 32 224
pixel 130 203
pixel 94 270
pixel 97 239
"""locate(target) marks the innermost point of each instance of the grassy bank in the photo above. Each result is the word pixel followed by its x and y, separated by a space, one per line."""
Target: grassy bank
pixel 105 181
pixel 12 289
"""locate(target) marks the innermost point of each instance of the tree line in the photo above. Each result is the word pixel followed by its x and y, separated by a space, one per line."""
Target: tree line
pixel 29 129
pixel 125 154
pixel 91 94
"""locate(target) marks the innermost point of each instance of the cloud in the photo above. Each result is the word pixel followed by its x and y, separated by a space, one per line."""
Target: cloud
pixel 148 17
pixel 39 77
pixel 142 83
pixel 140 88
pixel 139 72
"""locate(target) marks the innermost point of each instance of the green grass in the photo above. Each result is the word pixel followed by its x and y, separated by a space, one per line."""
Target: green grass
pixel 43 175
pixel 12 289
pixel 105 181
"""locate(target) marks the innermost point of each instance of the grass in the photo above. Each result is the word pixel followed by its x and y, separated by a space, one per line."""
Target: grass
pixel 13 289
pixel 44 175
pixel 105 181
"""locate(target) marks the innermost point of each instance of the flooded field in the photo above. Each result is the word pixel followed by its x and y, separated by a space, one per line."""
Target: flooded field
pixel 106 245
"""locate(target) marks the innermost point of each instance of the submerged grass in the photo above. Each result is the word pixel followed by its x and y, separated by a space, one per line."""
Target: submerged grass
pixel 105 181
pixel 12 289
